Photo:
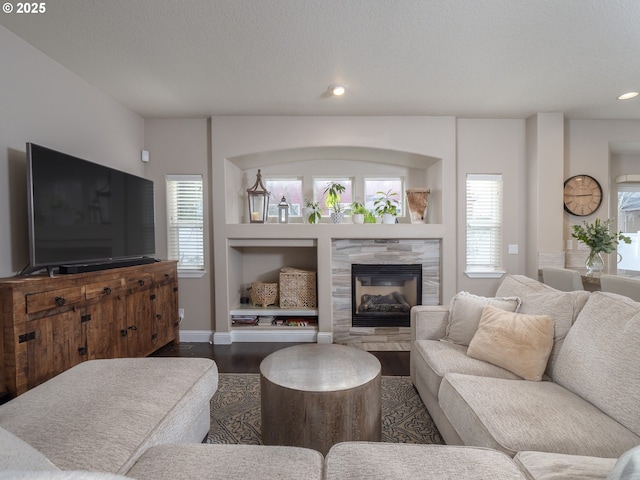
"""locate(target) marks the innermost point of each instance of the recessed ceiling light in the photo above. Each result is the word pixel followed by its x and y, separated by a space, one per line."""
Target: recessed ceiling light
pixel 337 89
pixel 628 95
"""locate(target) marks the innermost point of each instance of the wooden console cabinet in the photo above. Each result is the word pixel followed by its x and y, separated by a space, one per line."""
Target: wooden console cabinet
pixel 50 324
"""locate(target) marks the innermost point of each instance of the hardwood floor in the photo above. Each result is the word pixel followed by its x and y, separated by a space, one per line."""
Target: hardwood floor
pixel 246 357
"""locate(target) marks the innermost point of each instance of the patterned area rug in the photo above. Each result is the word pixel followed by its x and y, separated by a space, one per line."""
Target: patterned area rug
pixel 235 412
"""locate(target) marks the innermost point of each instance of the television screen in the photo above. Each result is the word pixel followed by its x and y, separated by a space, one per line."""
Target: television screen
pixel 82 212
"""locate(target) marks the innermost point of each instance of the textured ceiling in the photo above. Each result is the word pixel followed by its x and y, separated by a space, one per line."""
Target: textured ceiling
pixel 466 58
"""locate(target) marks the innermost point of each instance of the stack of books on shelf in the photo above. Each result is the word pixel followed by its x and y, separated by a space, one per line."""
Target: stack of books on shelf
pixel 292 322
pixel 244 319
pixel 266 320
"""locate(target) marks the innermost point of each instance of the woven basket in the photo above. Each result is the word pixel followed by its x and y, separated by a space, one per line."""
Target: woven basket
pixel 264 294
pixel 297 288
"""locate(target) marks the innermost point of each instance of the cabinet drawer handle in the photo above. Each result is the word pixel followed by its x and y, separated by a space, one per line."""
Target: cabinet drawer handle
pixel 141 282
pixel 132 327
pixel 82 350
pixel 158 316
pixel 107 291
pixel 59 301
pixel 123 332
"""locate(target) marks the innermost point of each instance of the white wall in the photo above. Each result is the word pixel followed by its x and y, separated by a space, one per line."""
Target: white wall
pixel 588 152
pixel 493 147
pixel 180 146
pixel 42 102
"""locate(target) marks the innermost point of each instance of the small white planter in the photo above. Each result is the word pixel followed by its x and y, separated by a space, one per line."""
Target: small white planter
pixel 305 214
pixel 337 217
pixel 357 218
pixel 388 219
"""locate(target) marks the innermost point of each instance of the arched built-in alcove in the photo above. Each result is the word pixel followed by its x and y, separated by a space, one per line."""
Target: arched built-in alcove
pixel 418 171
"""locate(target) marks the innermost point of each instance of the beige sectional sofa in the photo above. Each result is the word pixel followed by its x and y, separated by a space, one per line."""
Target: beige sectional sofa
pixel 144 419
pixel 587 405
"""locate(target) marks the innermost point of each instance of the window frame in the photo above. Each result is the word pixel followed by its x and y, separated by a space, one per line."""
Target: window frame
pixel 493 264
pixel 184 270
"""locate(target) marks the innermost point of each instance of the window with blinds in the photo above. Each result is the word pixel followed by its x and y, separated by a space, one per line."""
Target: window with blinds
pixel 185 222
pixel 484 223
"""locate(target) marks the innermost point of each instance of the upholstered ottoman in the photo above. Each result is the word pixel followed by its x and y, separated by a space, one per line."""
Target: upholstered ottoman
pixel 101 415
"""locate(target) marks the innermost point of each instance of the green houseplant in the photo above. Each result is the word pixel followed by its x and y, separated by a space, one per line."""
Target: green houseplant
pixel 312 212
pixel 386 206
pixel 358 212
pixel 598 237
pixel 332 201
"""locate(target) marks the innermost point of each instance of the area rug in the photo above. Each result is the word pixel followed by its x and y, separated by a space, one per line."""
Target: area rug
pixel 235 412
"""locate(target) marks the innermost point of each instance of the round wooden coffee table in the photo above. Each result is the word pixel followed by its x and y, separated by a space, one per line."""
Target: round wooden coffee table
pixel 317 395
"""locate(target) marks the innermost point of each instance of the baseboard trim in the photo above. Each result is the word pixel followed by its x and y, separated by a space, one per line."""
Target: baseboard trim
pixel 199 336
pixel 247 335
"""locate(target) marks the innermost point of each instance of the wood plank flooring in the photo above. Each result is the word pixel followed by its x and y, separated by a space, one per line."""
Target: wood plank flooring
pixel 246 357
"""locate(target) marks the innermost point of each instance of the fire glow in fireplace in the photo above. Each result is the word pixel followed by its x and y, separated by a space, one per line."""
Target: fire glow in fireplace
pixel 382 295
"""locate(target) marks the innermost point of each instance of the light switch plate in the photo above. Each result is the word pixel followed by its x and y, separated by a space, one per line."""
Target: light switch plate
pixel 513 249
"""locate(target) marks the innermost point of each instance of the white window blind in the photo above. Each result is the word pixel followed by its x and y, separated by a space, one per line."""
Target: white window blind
pixel 185 212
pixel 484 222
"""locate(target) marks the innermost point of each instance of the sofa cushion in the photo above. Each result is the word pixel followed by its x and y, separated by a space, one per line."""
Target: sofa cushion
pixel 558 466
pixel 514 341
pixel 600 360
pixel 465 311
pixel 228 462
pixel 384 461
pixel 514 416
pixel 540 299
pixel 58 475
pixel 101 415
pixel 439 358
pixel 16 454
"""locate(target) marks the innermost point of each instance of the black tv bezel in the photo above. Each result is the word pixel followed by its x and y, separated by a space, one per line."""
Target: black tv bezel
pixel 85 264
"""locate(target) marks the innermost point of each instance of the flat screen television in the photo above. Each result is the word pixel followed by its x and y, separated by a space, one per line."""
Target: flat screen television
pixel 82 213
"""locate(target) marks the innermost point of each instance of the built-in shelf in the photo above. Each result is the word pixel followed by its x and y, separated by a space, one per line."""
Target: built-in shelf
pixel 274 310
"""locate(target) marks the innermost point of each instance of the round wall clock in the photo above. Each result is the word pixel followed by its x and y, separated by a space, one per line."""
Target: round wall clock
pixel 582 195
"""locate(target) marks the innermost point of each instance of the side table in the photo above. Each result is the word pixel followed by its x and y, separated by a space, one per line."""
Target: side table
pixel 317 395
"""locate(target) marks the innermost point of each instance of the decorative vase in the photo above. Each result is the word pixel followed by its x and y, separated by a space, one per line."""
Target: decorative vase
pixel 357 218
pixel 337 217
pixel 594 263
pixel 418 202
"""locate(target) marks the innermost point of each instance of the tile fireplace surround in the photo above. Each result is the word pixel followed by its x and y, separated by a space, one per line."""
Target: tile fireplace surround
pixel 386 251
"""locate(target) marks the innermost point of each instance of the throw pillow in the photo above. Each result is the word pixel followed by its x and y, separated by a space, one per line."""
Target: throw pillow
pixel 465 311
pixel 627 467
pixel 514 341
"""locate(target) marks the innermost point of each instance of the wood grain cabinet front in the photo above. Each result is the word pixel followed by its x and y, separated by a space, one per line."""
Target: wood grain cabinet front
pixel 50 324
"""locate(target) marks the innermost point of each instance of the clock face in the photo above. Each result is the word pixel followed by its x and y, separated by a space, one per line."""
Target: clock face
pixel 582 195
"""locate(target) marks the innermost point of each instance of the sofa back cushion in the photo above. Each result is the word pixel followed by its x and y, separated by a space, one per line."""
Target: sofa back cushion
pixel 16 454
pixel 540 299
pixel 600 358
pixel 465 311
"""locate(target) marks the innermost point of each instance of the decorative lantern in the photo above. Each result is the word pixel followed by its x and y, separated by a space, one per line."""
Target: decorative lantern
pixel 258 197
pixel 283 211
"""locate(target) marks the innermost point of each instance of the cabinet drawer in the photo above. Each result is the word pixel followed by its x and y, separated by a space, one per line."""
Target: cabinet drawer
pixel 138 282
pixel 165 276
pixel 103 289
pixel 38 302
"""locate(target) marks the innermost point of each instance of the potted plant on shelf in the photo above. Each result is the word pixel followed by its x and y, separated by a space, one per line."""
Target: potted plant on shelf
pixel 311 213
pixel 599 239
pixel 332 201
pixel 358 212
pixel 386 206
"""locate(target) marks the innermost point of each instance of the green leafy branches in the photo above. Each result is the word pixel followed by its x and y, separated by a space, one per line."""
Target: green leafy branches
pixel 598 237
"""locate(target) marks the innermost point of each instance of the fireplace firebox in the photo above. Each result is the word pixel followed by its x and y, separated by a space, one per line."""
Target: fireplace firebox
pixel 382 294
